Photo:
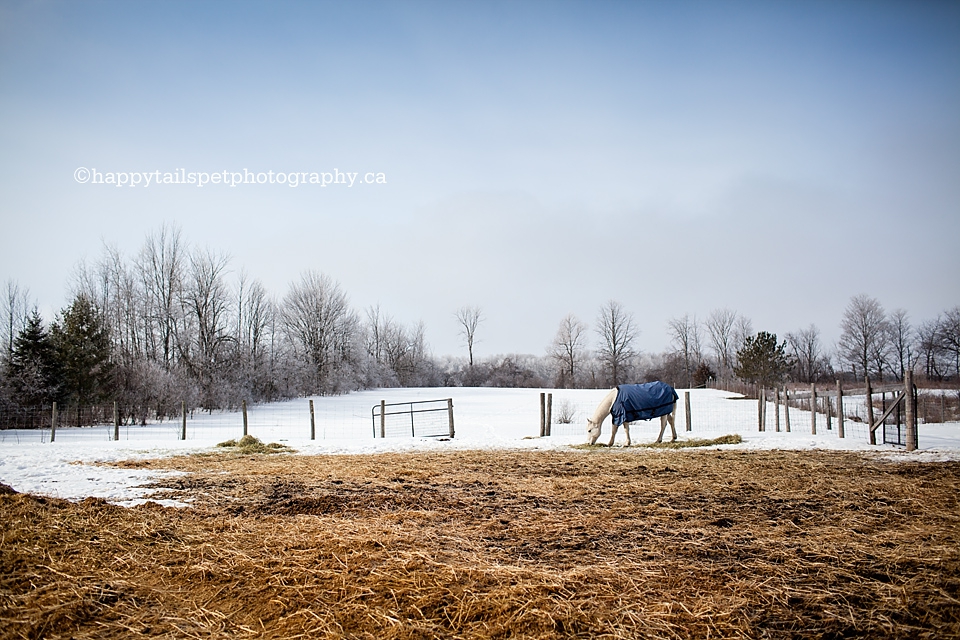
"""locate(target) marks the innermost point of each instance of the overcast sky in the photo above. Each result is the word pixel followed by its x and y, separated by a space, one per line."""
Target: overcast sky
pixel 539 158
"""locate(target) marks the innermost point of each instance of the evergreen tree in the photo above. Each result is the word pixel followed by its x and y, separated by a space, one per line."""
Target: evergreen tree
pixel 702 375
pixel 761 360
pixel 33 367
pixel 83 348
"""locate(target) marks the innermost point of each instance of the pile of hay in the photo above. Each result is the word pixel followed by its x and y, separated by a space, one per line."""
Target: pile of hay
pixel 614 543
pixel 249 444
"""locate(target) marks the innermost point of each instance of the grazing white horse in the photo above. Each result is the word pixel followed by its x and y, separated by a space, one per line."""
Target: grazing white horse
pixel 604 409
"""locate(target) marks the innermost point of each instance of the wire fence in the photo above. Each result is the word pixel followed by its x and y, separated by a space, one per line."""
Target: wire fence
pixel 713 413
pixel 480 414
pixel 278 421
pixel 938 405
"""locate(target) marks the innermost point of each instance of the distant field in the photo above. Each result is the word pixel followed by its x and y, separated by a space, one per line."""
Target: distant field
pixel 617 543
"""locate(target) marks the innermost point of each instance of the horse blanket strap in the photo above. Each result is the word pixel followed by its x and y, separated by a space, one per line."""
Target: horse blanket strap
pixel 642 402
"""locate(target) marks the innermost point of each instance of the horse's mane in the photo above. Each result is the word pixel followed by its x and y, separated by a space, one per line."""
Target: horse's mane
pixel 603 410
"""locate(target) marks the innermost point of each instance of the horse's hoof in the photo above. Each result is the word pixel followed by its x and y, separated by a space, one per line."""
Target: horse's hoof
pixel 673 440
pixel 659 441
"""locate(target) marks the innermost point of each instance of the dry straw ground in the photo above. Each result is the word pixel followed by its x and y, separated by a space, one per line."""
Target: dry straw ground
pixel 580 543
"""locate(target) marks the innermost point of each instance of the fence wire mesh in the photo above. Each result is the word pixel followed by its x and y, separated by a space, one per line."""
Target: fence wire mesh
pixel 479 414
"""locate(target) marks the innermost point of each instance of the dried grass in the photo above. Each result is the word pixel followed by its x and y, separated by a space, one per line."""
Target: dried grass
pixel 611 543
pixel 695 442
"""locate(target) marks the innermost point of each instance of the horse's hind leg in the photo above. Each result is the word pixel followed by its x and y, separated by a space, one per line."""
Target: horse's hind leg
pixel 670 418
pixel 664 420
pixel 663 427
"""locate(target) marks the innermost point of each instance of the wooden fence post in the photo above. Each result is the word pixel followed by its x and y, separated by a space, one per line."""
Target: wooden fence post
pixel 763 411
pixel 543 414
pixel 829 407
pixel 450 416
pixel 53 423
pixel 183 412
pixel 116 422
pixel 813 408
pixel 313 422
pixel 873 435
pixel 383 418
pixel 840 432
pixel 776 408
pixel 243 406
pixel 786 409
pixel 883 419
pixel 911 411
pixel 549 412
pixel 686 410
pixel 759 409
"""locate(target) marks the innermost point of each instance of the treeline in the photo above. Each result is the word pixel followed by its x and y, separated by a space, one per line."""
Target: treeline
pixel 724 346
pixel 173 324
pixel 873 343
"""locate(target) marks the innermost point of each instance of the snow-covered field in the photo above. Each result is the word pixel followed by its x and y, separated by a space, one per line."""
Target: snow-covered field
pixel 484 419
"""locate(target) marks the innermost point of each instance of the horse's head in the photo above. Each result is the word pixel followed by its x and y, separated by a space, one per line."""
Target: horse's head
pixel 593 431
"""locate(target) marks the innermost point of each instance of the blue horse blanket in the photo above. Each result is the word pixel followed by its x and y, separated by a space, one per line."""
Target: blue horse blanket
pixel 642 402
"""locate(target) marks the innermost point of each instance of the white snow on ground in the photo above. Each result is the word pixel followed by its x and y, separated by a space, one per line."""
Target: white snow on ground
pixel 488 419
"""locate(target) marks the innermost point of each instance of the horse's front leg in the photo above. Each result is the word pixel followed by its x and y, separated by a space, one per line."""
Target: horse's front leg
pixel 626 429
pixel 613 433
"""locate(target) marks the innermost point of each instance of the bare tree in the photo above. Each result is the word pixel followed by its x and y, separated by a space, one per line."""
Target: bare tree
pixel 255 312
pixel 419 350
pixel 863 338
pixel 931 348
pixel 469 318
pixel 399 354
pixel 807 351
pixel 567 348
pixel 206 327
pixel 115 290
pixel 950 339
pixel 742 329
pixel 16 310
pixel 685 335
pixel 321 326
pixel 377 328
pixel 160 266
pixel 721 327
pixel 901 337
pixel 405 351
pixel 617 334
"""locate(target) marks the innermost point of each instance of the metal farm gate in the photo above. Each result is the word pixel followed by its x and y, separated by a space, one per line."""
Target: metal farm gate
pixel 422 418
pixel 895 433
pixel 904 400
